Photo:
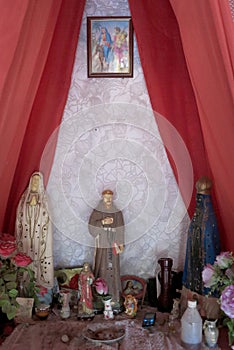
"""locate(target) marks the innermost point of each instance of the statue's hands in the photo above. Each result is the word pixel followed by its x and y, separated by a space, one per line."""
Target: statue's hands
pixel 121 248
pixel 107 221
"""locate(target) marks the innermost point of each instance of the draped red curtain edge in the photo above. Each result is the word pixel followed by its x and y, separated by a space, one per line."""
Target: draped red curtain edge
pixel 170 89
pixel 159 35
pixel 48 104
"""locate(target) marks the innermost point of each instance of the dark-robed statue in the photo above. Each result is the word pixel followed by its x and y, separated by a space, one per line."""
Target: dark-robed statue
pixel 203 245
pixel 106 225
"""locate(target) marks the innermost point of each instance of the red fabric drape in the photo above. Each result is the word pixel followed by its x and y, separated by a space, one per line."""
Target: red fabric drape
pixel 39 40
pixel 169 87
pixel 207 32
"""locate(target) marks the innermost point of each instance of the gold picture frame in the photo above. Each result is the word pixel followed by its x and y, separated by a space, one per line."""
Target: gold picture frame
pixel 110 47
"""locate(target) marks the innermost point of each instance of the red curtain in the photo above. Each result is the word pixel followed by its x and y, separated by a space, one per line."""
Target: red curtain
pixel 186 50
pixel 170 88
pixel 38 42
pixel 190 81
pixel 207 32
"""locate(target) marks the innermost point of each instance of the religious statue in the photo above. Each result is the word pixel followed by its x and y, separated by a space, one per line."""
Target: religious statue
pixel 203 243
pixel 106 225
pixel 85 281
pixel 33 230
pixel 130 305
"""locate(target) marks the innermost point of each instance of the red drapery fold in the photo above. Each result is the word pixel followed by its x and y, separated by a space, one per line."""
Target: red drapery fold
pixel 170 88
pixel 207 32
pixel 39 40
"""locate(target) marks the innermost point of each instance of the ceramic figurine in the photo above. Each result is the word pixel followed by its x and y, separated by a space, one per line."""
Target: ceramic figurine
pixel 85 306
pixel 108 313
pixel 65 298
pixel 130 305
pixel 211 333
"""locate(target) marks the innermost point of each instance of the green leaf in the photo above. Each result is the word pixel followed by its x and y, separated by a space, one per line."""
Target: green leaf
pixel 11 312
pixel 5 306
pixel 22 269
pixel 11 285
pixel 3 302
pixel 10 276
pixel 13 293
pixel 31 274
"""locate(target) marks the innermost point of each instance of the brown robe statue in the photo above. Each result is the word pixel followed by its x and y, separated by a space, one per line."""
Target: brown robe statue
pixel 106 225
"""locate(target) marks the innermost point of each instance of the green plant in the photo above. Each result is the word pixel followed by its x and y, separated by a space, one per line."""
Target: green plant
pixel 14 267
pixel 219 278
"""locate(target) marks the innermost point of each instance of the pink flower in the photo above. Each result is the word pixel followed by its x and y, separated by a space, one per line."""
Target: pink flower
pixel 225 260
pixel 21 260
pixel 208 275
pixel 7 237
pixel 7 248
pixel 101 286
pixel 227 301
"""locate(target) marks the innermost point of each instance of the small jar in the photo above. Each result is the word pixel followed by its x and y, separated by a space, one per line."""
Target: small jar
pixel 42 311
pixel 211 333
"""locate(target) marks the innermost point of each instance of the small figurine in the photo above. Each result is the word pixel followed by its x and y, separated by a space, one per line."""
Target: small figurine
pixel 65 299
pixel 86 278
pixel 130 305
pixel 108 313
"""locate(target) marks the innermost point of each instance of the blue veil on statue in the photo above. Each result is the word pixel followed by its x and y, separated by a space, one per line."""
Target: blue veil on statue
pixel 203 242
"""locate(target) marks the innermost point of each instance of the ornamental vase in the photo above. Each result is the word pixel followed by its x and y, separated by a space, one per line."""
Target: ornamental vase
pixel 165 299
pixel 211 333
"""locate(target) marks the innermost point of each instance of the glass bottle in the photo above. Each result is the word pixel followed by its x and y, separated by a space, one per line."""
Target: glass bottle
pixel 191 325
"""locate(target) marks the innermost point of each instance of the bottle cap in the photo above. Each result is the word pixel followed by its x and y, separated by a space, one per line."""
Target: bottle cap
pixel 192 303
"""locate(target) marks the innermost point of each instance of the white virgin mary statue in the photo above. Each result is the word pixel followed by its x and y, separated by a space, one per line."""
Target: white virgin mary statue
pixel 33 230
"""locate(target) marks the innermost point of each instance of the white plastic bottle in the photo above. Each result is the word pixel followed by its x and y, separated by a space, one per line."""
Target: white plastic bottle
pixel 191 324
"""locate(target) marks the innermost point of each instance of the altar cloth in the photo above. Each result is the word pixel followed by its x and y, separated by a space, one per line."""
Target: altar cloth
pixel 44 335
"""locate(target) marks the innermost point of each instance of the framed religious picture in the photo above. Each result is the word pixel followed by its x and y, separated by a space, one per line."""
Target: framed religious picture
pixel 110 47
pixel 135 286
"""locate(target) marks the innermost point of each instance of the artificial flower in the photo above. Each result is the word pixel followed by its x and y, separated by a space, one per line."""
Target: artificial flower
pixel 14 267
pixel 21 259
pixel 208 275
pixel 100 286
pixel 227 301
pixel 220 274
pixel 224 260
pixel 7 248
pixel 219 278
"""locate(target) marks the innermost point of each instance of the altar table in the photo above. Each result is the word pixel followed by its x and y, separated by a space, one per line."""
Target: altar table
pixel 45 335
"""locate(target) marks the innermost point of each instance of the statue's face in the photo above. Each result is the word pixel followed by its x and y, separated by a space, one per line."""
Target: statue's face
pixel 86 267
pixel 35 183
pixel 107 200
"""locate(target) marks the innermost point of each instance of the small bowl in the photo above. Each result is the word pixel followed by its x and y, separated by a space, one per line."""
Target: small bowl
pixel 42 311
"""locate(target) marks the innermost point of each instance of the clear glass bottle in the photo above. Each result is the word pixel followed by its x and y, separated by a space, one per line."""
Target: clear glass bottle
pixel 191 324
